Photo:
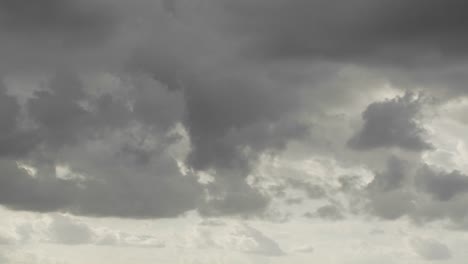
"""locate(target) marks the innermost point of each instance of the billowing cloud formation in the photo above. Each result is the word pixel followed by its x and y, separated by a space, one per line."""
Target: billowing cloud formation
pixel 103 129
pixel 442 185
pixel 392 123
pixel 155 108
pixel 420 191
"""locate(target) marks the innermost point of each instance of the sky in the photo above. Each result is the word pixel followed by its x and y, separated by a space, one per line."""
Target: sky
pixel 233 131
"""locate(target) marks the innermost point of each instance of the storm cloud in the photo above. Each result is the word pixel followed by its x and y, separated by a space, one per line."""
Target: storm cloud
pixel 381 32
pixel 156 108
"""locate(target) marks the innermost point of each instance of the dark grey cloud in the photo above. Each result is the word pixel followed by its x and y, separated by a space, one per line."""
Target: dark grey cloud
pixel 48 35
pixel 142 195
pixel 223 138
pixel 227 115
pixel 394 177
pixel 232 117
pixel 392 123
pixel 388 192
pixel 57 110
pixel 124 162
pixel 383 31
pixel 9 112
pixel 23 192
pixel 187 90
pixel 442 185
pixel 13 140
pixel 412 44
pixel 422 192
pixel 64 18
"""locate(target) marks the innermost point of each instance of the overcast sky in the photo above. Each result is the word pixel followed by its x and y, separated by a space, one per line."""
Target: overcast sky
pixel 233 131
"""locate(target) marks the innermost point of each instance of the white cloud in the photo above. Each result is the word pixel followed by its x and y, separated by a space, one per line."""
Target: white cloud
pixel 236 236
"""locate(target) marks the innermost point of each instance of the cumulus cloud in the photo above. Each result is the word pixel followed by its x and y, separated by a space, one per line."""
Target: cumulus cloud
pixel 166 88
pixel 84 138
pixel 442 185
pixel 259 109
pixel 392 123
pixel 422 192
pixel 185 100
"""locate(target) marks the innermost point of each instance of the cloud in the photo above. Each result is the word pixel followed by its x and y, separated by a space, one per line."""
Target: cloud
pixel 167 86
pixel 304 249
pixel 442 185
pixel 21 191
pixel 392 123
pixel 239 237
pixel 64 230
pixel 393 178
pixel 390 193
pixel 13 141
pixel 118 159
pixel 430 249
pixel 53 33
pixel 382 32
pixel 52 16
pixel 72 231
pixel 422 192
pixel 185 101
pixel 328 212
pixel 6 239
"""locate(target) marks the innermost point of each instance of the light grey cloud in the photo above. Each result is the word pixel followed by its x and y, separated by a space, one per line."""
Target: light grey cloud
pixel 63 230
pixel 71 231
pixel 431 250
pixel 392 205
pixel 328 212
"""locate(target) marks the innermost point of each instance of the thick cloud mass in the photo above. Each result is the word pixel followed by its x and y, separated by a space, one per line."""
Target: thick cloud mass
pixel 154 108
pixel 109 172
pixel 383 31
pixel 442 185
pixel 52 16
pixel 391 124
